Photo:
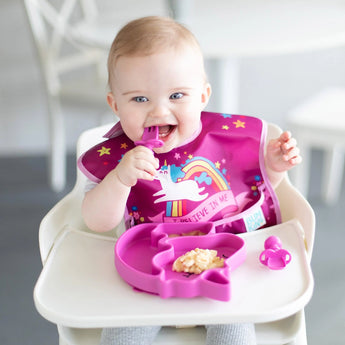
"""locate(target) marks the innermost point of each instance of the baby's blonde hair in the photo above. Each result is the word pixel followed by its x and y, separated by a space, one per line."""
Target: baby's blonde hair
pixel 149 35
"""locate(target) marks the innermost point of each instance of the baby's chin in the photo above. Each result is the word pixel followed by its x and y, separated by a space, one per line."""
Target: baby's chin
pixel 167 147
pixel 163 149
pixel 175 140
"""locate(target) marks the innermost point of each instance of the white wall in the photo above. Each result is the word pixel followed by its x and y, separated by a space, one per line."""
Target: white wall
pixel 269 86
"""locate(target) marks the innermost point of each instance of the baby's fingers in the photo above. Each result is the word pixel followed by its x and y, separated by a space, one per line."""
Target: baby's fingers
pixel 279 142
pixel 293 156
pixel 289 145
pixel 146 168
pixel 285 136
pixel 138 163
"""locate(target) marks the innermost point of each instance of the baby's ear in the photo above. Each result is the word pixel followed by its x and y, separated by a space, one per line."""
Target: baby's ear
pixel 111 101
pixel 206 94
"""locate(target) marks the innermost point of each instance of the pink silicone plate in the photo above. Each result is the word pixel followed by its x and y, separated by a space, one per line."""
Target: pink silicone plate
pixel 144 256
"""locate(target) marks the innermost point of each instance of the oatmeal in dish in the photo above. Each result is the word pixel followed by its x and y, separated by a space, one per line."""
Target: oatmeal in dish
pixel 197 261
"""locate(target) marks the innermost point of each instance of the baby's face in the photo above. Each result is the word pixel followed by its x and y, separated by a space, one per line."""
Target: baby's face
pixel 166 89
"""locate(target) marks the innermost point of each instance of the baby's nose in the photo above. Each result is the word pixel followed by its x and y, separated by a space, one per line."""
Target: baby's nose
pixel 159 111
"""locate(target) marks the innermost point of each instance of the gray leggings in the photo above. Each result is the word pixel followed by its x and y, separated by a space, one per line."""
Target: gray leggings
pixel 232 334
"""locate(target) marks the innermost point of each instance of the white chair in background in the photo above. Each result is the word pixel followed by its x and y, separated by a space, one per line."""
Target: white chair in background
pixel 64 239
pixel 319 123
pixel 60 54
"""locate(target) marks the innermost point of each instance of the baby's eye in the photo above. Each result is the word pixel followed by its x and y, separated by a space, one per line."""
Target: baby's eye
pixel 140 99
pixel 176 95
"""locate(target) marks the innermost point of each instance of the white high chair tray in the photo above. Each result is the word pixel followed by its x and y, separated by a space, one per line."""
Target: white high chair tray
pixel 80 287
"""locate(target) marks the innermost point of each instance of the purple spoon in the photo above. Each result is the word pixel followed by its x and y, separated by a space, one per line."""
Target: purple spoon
pixel 150 138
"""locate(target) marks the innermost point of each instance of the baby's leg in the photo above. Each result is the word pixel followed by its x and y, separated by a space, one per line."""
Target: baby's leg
pixel 234 334
pixel 129 335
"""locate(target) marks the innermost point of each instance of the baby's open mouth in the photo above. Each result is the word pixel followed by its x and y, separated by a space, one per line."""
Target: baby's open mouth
pixel 164 131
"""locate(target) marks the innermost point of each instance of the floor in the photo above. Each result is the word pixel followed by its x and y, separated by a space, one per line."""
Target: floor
pixel 24 199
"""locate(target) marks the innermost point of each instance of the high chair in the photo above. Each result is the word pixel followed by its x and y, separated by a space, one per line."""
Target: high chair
pixel 80 291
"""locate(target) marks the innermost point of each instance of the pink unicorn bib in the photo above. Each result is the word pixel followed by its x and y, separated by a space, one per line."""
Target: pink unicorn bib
pixel 219 176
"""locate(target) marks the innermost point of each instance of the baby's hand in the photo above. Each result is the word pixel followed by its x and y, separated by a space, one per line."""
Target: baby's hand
pixel 138 163
pixel 282 153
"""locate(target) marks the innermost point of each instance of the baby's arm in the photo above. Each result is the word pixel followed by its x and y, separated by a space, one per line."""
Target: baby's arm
pixel 104 206
pixel 281 155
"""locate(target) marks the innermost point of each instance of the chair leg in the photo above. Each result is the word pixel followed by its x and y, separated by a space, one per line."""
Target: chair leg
pixel 62 342
pixel 225 75
pixel 301 338
pixel 332 175
pixel 57 154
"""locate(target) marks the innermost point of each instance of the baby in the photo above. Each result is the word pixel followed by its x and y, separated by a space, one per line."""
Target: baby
pixel 157 78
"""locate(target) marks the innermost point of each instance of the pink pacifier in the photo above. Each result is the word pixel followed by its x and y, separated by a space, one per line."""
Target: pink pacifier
pixel 274 257
pixel 150 138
